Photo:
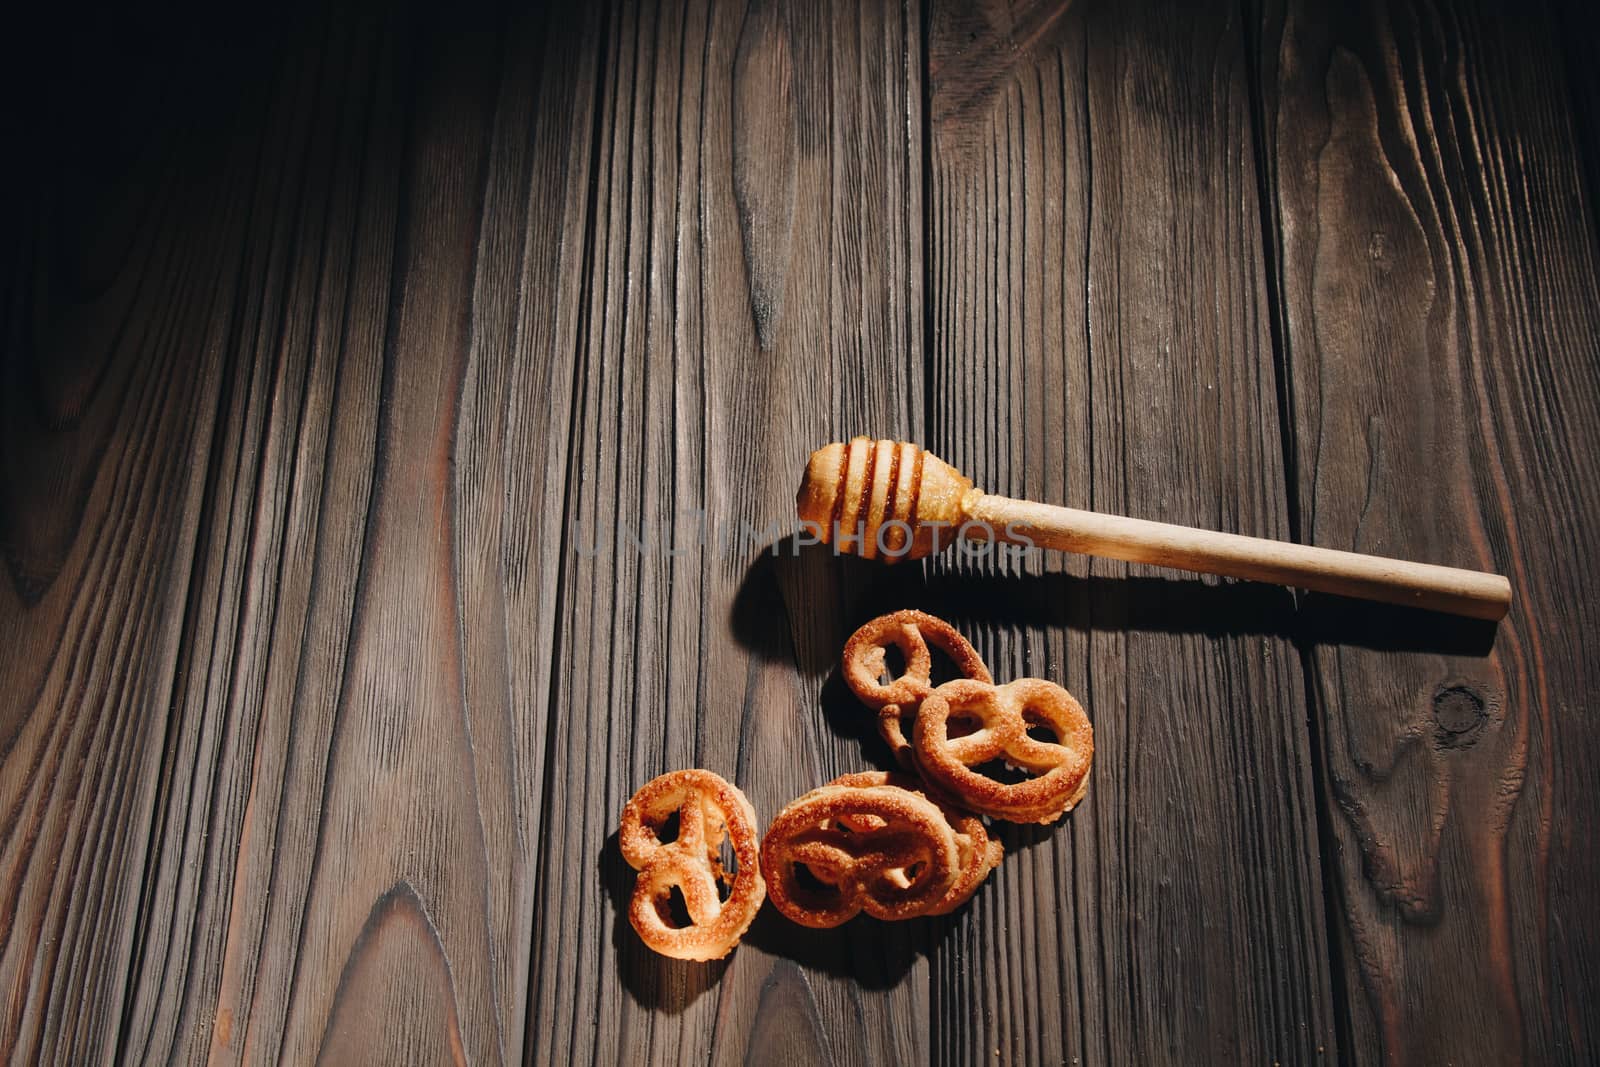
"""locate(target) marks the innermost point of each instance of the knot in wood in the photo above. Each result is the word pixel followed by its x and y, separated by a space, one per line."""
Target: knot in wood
pixel 1459 712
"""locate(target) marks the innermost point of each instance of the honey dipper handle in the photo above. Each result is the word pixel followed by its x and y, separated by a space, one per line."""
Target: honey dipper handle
pixel 1460 592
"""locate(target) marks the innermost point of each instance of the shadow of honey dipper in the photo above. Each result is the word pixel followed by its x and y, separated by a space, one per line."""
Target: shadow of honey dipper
pixel 891 500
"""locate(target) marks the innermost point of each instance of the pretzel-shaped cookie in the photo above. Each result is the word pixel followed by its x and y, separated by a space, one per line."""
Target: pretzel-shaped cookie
pixel 708 810
pixel 898 867
pixel 979 853
pixel 1003 715
pixel 866 658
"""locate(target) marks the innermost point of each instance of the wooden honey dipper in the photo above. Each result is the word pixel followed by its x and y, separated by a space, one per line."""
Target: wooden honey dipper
pixel 893 500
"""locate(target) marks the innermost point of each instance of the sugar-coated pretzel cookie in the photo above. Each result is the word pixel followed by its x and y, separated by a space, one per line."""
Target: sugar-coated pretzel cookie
pixel 1003 715
pixel 708 810
pixel 979 853
pixel 826 860
pixel 866 659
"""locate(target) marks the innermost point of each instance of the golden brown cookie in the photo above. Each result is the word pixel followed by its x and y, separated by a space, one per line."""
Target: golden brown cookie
pixel 708 809
pixel 1058 771
pixel 842 850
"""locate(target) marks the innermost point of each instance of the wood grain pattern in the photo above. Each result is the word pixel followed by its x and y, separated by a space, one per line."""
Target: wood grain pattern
pixel 752 296
pixel 1439 271
pixel 1085 353
pixel 128 282
pixel 398 406
pixel 348 796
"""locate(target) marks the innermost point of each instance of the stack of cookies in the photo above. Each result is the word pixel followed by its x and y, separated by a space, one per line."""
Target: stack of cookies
pixel 894 845
pixel 959 728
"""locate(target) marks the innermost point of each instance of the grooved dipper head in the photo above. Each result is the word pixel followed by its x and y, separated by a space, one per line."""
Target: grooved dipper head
pixel 886 500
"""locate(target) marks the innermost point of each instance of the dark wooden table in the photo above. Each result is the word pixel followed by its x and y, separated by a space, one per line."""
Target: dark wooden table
pixel 362 368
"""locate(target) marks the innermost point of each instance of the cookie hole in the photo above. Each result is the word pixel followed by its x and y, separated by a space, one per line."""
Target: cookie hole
pixel 942 668
pixel 728 858
pixel 1043 731
pixel 962 724
pixel 674 909
pixel 894 664
pixel 998 770
pixel 808 882
pixel 667 832
pixel 914 872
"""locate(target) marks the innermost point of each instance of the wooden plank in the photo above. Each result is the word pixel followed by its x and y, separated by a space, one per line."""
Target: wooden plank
pixel 1101 339
pixel 1576 24
pixel 326 365
pixel 754 294
pixel 1439 271
pixel 349 796
pixel 135 267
